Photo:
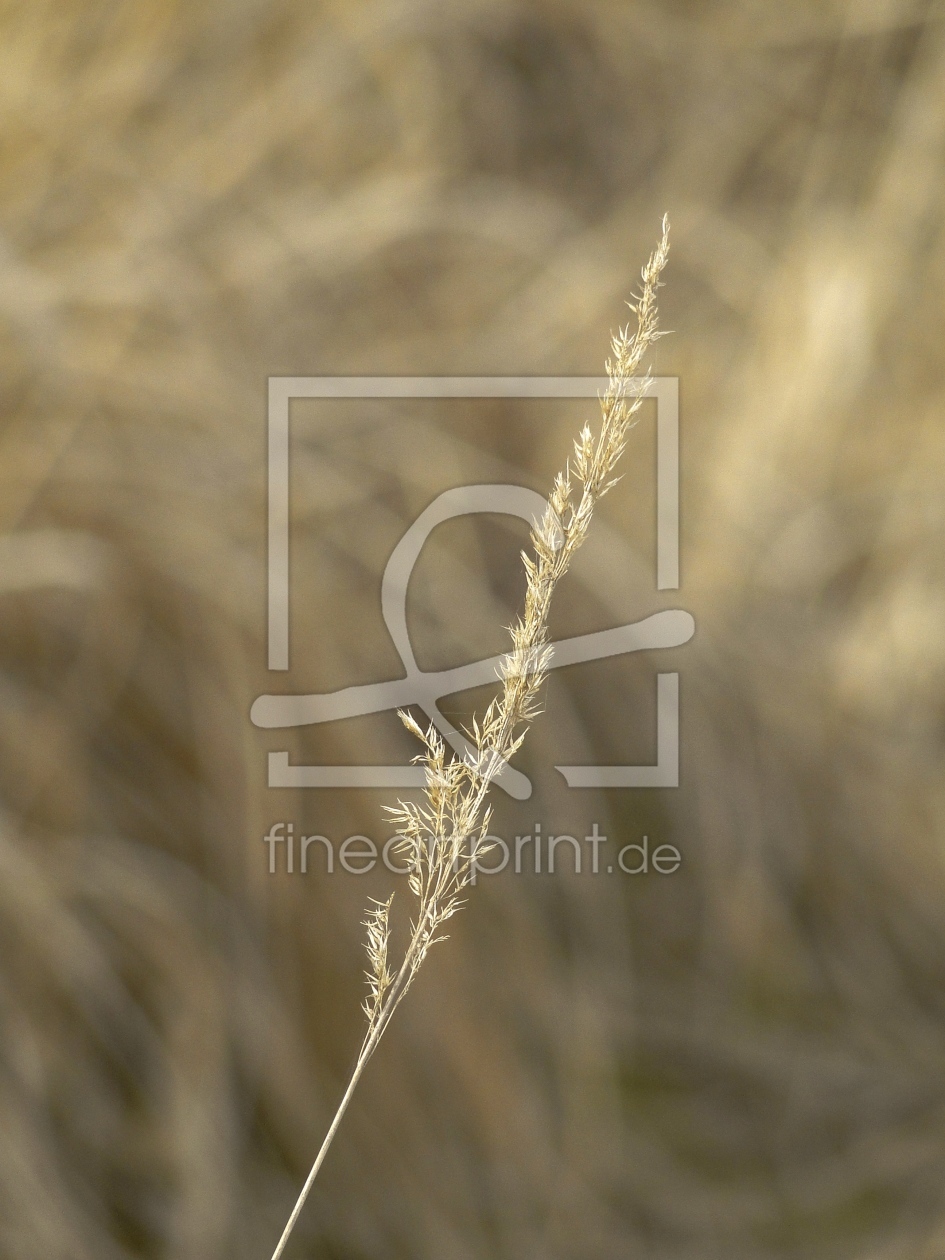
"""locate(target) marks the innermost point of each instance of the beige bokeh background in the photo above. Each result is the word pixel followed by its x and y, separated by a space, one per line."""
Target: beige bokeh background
pixel 742 1060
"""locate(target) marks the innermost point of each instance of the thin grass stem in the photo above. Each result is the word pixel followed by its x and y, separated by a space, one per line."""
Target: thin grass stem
pixel 443 837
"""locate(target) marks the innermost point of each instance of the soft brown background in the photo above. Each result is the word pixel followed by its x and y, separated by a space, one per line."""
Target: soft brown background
pixel 743 1060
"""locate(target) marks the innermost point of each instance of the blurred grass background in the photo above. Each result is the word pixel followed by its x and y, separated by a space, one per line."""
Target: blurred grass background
pixel 745 1060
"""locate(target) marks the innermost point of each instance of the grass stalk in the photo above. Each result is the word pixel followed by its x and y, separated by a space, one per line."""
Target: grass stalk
pixel 442 838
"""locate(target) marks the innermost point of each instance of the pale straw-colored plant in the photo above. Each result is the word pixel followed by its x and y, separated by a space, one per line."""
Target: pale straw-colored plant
pixel 442 838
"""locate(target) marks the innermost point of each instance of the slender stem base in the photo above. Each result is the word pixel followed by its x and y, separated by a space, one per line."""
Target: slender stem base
pixel 320 1157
